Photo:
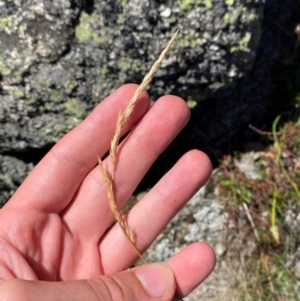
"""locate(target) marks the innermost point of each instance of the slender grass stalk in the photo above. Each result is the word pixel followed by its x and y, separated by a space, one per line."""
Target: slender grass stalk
pixel 117 214
pixel 274 227
pixel 123 117
pixel 109 176
pixel 249 216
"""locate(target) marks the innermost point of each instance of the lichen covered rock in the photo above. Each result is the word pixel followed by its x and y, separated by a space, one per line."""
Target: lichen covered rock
pixel 12 173
pixel 58 59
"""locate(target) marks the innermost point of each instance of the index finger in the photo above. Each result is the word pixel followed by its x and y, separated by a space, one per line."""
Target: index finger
pixel 54 181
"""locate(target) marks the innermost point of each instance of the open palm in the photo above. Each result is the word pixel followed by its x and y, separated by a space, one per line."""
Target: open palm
pixel 56 226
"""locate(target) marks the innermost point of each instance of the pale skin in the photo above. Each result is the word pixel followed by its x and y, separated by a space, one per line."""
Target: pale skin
pixel 55 227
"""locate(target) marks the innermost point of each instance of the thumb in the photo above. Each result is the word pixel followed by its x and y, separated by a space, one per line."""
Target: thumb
pixel 148 283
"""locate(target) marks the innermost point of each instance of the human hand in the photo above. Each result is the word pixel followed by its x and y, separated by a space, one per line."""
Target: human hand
pixel 55 239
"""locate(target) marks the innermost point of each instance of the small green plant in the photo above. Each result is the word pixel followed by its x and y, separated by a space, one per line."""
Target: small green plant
pixel 259 208
pixel 278 148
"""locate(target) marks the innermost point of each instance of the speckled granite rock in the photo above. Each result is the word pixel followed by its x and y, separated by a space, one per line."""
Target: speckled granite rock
pixel 59 58
pixel 12 173
pixel 36 105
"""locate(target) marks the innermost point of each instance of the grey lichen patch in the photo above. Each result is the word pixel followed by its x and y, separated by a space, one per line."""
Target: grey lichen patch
pixel 243 43
pixel 53 133
pixel 57 79
pixel 231 17
pixel 124 3
pixel 50 127
pixel 85 32
pixel 59 130
pixel 56 96
pixel 12 174
pixel 6 180
pixel 129 65
pixel 191 103
pixel 125 64
pixel 229 2
pixel 75 107
pixel 253 16
pixel 27 34
pixel 186 5
pixel 189 40
pixel 4 70
pixel 18 93
pixel 5 22
pixel 102 71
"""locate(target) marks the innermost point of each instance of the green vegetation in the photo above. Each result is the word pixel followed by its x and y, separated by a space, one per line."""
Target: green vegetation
pixel 265 207
pixel 4 70
pixel 262 204
pixel 5 22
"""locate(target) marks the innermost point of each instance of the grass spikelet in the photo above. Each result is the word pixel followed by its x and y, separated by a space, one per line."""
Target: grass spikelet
pixel 122 119
pixel 117 214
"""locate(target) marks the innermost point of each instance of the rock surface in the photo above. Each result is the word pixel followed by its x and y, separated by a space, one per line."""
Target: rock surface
pixel 58 59
pixel 12 173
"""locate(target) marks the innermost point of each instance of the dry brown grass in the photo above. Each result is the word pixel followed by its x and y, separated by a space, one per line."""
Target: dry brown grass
pixel 122 119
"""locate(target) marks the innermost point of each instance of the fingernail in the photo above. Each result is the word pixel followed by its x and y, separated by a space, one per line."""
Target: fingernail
pixel 157 279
